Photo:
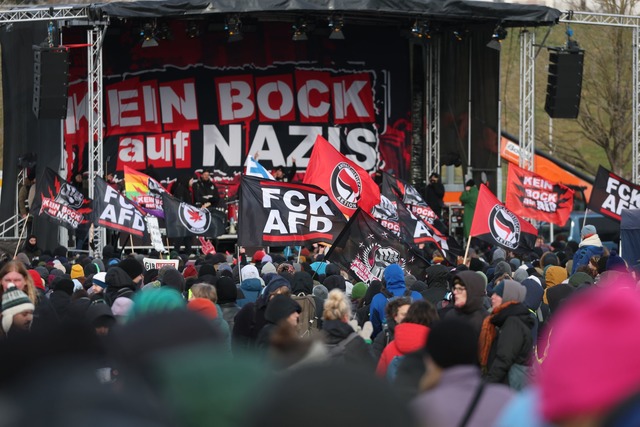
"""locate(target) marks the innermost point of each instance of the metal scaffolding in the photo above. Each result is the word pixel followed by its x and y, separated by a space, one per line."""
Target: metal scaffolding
pixel 433 107
pixel 527 99
pixel 44 13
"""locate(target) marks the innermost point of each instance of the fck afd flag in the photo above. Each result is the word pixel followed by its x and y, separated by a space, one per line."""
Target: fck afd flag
pixel 279 213
pixel 185 220
pixel 347 184
pixel 113 210
pixel 366 248
pixel 495 224
pixel 532 196
pixel 611 194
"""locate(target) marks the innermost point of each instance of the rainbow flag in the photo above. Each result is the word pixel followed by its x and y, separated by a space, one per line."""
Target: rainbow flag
pixel 144 190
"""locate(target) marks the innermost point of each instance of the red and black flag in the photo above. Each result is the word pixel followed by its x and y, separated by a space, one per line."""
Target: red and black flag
pixel 611 194
pixel 495 224
pixel 533 196
pixel 60 201
pixel 281 214
pixel 113 210
pixel 366 248
pixel 347 184
pixel 185 220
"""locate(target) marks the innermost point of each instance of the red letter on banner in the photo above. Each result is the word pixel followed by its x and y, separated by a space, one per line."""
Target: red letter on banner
pixel 131 152
pixel 274 96
pixel 235 99
pixel 314 96
pixel 182 145
pixel 160 150
pixel 178 105
pixel 353 99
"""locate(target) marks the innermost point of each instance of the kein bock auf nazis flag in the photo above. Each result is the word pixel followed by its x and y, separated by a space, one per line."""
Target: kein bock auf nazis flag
pixel 278 213
pixel 611 194
pixel 366 248
pixel 113 210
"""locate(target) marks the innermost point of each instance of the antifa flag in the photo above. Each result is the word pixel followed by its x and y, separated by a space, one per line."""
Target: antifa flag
pixel 60 201
pixel 279 213
pixel 113 210
pixel 346 183
pixel 392 186
pixel 495 224
pixel 366 248
pixel 532 196
pixel 611 194
pixel 144 190
pixel 185 220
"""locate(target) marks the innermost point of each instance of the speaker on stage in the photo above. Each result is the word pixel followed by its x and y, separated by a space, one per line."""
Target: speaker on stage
pixel 50 82
pixel 564 84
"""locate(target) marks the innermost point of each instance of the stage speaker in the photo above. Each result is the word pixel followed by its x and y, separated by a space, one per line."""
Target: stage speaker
pixel 564 84
pixel 50 82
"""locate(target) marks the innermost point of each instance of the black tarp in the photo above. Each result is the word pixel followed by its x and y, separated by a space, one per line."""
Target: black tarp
pixel 630 235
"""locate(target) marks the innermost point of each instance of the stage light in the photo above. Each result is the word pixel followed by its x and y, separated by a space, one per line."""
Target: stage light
pixel 498 35
pixel 148 35
pixel 336 28
pixel 299 32
pixel 233 27
pixel 193 29
pixel 421 29
pixel 458 35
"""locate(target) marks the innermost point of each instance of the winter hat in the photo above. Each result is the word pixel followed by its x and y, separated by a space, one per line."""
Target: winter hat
pixel 267 258
pixel 476 264
pixel 321 292
pixel 43 272
pixel 499 253
pixel 206 269
pixel 593 343
pixel 58 265
pixel 23 258
pixel 533 299
pixel 335 282
pixel 302 283
pixel 580 278
pixel 121 307
pixel 156 300
pixel 588 230
pixel 77 271
pixel 65 285
pixel 203 306
pixel 358 291
pixel 513 291
pixel 501 268
pixel 99 279
pixel 224 267
pixel 91 268
pixel 453 342
pixel 190 271
pixel 132 267
pixel 409 280
pixel 250 272
pixel 280 307
pixel 558 294
pixel 520 275
pixel 257 256
pixel 419 286
pixel 38 282
pixel 515 263
pixel 227 290
pixel 14 301
pixel 173 279
pixel 268 268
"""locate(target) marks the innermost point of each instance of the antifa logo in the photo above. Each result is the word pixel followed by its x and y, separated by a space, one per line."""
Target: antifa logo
pixel 504 227
pixel 69 196
pixel 385 210
pixel 154 187
pixel 197 221
pixel 346 185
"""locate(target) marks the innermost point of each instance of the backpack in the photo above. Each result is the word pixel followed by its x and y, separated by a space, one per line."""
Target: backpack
pixel 337 351
pixel 308 322
pixel 392 369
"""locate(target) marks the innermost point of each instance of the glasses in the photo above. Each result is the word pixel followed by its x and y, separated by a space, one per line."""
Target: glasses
pixel 459 289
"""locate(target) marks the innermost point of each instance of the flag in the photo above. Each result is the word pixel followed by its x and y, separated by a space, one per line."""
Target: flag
pixel 346 183
pixel 60 202
pixel 366 248
pixel 611 194
pixel 532 196
pixel 253 168
pixel 184 219
pixel 495 224
pixel 281 213
pixel 113 210
pixel 144 190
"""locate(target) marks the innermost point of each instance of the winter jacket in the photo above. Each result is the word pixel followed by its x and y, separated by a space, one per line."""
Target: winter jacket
pixel 251 288
pixel 357 352
pixel 279 308
pixel 383 339
pixel 437 282
pixel 473 311
pixel 229 311
pixel 119 284
pixel 446 403
pixel 513 344
pixel 409 337
pixel 394 277
pixel 591 246
pixel 60 301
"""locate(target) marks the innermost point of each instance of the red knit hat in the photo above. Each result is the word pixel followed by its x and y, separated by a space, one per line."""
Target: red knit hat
pixel 37 279
pixel 190 271
pixel 592 360
pixel 257 256
pixel 204 307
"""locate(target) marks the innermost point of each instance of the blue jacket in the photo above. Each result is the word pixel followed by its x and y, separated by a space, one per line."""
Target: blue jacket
pixel 394 277
pixel 584 254
pixel 251 288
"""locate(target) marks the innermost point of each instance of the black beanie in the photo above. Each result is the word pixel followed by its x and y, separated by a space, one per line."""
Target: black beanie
pixel 453 342
pixel 65 285
pixel 132 267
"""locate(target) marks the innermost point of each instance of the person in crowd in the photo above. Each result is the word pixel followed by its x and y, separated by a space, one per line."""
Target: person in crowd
pixel 590 246
pixel 363 312
pixel 553 276
pixel 437 283
pixel 452 388
pixel 281 308
pixel 395 312
pixel 468 198
pixel 434 194
pixel 468 296
pixel 251 284
pixel 285 174
pixel 17 311
pixel 119 284
pixel 31 248
pixel 205 192
pixel 227 296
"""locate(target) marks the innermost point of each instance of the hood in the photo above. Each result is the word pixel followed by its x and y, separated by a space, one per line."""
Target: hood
pixel 513 291
pixel 252 285
pixel 533 299
pixel 437 276
pixel 98 310
pixel 410 337
pixel 337 329
pixel 118 278
pixel 280 307
pixel 227 290
pixel 332 269
pixel 475 290
pixel 249 272
pixel 374 289
pixel 394 276
pixel 302 283
pixel 173 279
pixel 555 275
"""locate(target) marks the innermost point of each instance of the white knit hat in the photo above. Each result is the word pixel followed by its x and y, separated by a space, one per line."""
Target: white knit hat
pixel 14 301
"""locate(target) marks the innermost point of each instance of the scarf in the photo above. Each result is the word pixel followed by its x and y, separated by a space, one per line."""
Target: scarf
pixel 489 332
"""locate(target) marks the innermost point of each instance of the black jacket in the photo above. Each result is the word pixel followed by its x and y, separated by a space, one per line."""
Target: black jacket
pixel 383 339
pixel 473 311
pixel 204 192
pixel 357 352
pixel 119 284
pixel 437 282
pixel 279 308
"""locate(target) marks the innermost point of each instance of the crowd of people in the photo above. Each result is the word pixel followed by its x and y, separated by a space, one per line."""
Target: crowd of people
pixel 502 339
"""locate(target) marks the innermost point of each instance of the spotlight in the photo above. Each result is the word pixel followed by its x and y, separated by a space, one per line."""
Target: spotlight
pixel 164 33
pixel 336 29
pixel 498 35
pixel 193 29
pixel 233 27
pixel 299 32
pixel 148 35
pixel 458 35
pixel 421 29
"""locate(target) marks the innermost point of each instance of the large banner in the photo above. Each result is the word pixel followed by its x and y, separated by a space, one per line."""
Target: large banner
pixel 611 194
pixel 114 211
pixel 187 105
pixel 533 196
pixel 280 214
pixel 185 220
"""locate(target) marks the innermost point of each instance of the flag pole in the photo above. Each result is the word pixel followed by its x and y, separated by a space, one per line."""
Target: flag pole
pixel 24 227
pixel 466 251
pixel 131 242
pixel 299 251
pixel 168 251
pixel 584 220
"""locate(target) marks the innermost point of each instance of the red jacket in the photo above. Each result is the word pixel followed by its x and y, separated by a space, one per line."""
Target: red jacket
pixel 409 337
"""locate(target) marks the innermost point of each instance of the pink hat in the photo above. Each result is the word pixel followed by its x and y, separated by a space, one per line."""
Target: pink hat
pixel 592 362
